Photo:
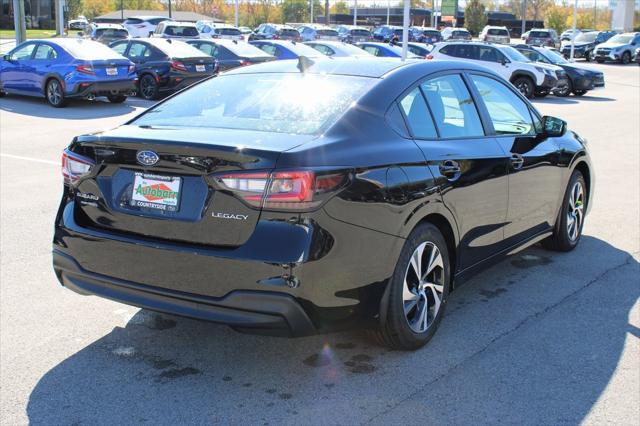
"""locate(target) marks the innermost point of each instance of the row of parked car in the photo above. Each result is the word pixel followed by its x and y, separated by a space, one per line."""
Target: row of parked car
pixel 59 69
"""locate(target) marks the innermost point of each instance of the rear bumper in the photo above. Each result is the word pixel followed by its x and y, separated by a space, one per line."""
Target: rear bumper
pixel 178 83
pixel 260 312
pixel 102 88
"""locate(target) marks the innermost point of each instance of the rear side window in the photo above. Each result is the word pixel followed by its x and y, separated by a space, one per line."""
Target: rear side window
pixel 466 51
pixel 224 54
pixel 119 48
pixel 508 113
pixel 418 117
pixel 156 21
pixel 452 107
pixel 372 49
pixel 541 34
pixel 289 33
pixel 132 21
pixel 45 51
pixel 208 48
pixel 268 48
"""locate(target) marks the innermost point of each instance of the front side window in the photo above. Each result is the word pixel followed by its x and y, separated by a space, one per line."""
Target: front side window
pixel 23 53
pixel 508 113
pixel 452 107
pixel 281 103
pixel 418 117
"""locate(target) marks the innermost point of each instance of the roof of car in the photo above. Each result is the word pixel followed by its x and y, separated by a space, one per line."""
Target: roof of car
pixel 180 24
pixel 373 67
pixel 150 17
pixel 105 25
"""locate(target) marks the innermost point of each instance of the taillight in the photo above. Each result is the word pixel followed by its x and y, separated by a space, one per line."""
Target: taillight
pixel 429 56
pixel 74 166
pixel 245 63
pixel 85 69
pixel 179 66
pixel 132 68
pixel 282 190
pixel 276 37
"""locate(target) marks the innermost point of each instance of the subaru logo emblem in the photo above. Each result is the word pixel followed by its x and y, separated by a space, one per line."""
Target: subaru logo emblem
pixel 147 158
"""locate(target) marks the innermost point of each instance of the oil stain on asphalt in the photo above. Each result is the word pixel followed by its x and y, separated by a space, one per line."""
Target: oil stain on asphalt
pixel 530 260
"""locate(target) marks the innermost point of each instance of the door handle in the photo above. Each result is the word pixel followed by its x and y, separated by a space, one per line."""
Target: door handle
pixel 517 161
pixel 449 168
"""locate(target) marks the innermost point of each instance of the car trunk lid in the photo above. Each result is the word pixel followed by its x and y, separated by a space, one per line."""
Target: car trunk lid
pixel 123 195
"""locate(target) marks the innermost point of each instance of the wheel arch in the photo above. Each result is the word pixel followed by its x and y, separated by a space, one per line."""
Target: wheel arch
pixel 584 168
pixel 523 73
pixel 47 78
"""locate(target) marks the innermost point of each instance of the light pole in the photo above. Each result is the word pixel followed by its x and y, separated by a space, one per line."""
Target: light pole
pixel 19 21
pixel 237 12
pixel 355 13
pixel 169 8
pixel 573 33
pixel 388 10
pixel 405 29
pixel 524 17
pixel 311 19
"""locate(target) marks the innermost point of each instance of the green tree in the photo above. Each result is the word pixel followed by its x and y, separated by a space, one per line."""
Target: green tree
pixel 295 11
pixel 74 8
pixel 340 7
pixel 475 17
pixel 556 18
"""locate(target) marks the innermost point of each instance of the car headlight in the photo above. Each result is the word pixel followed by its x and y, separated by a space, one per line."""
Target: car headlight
pixel 544 71
pixel 581 72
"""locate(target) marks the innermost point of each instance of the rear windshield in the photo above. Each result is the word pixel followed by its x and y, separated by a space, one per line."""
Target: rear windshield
pixel 431 33
pixel 328 33
pixel 539 34
pixel 289 32
pixel 360 33
pixel 460 33
pixel 497 32
pixel 181 31
pixel 133 21
pixel 112 33
pixel 89 50
pixel 178 49
pixel 245 49
pixel 281 103
pixel 229 31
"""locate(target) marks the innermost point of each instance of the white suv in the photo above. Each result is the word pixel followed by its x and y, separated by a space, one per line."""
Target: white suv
pixel 530 78
pixel 495 34
pixel 142 26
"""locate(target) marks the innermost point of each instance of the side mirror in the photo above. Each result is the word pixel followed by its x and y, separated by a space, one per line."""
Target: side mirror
pixel 552 126
pixel 6 58
pixel 504 61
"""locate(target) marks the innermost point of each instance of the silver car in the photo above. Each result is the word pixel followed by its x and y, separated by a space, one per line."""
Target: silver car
pixel 495 35
pixel 338 49
pixel 318 32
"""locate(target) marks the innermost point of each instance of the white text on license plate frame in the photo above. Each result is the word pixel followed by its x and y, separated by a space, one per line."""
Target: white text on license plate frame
pixel 112 71
pixel 156 192
pixel 200 68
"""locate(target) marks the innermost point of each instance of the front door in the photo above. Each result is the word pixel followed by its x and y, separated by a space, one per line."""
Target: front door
pixel 535 175
pixel 469 168
pixel 15 73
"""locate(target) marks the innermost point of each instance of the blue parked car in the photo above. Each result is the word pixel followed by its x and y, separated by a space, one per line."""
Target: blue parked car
pixel 284 49
pixel 66 68
pixel 385 50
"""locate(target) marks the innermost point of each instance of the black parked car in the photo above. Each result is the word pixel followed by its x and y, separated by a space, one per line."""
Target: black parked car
pixel 275 32
pixel 580 79
pixel 585 43
pixel 231 53
pixel 165 65
pixel 296 197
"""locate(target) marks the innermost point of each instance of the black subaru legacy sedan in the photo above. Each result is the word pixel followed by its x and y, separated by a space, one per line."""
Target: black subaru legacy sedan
pixel 299 197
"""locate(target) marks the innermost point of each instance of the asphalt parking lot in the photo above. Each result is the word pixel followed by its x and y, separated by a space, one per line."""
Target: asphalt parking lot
pixel 542 338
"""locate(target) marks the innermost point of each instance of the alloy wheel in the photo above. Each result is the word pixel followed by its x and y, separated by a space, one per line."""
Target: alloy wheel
pixel 575 212
pixel 148 87
pixel 626 58
pixel 423 287
pixel 54 92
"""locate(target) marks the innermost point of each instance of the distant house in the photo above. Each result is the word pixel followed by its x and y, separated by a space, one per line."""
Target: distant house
pixel 120 15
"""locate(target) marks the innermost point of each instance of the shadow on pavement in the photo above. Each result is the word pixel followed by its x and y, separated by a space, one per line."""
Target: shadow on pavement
pixel 168 370
pixel 77 109
pixel 572 99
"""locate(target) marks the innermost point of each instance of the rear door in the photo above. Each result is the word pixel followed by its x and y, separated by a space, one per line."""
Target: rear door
pixel 470 168
pixel 43 61
pixel 535 172
pixel 493 59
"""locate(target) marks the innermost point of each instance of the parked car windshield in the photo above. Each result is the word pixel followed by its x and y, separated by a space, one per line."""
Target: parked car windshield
pixel 181 31
pixel 282 103
pixel 514 55
pixel 497 32
pixel 554 57
pixel 587 37
pixel 621 38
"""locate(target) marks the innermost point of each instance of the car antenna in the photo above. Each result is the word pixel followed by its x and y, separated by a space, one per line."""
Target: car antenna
pixel 304 63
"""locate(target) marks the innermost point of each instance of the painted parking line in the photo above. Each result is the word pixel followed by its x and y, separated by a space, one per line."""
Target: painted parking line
pixel 35 160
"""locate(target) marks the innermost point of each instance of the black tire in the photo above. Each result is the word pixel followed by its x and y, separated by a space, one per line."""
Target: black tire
pixel 116 99
pixel 148 87
pixel 55 94
pixel 579 92
pixel 565 91
pixel 600 61
pixel 395 330
pixel 564 237
pixel 625 58
pixel 525 86
pixel 2 94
